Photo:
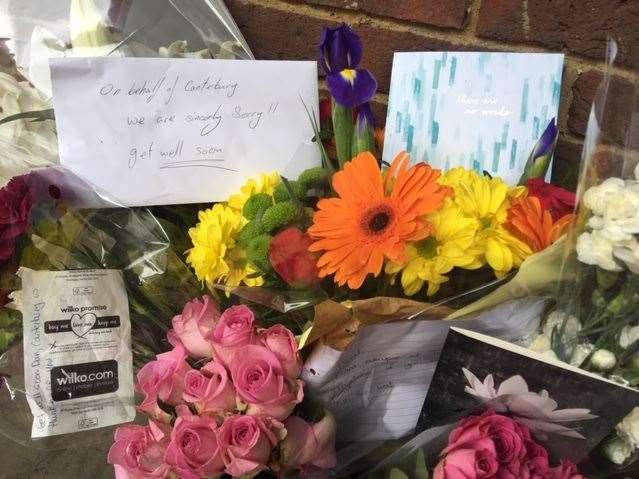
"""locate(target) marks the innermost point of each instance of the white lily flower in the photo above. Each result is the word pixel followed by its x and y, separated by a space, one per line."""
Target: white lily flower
pixel 629 428
pixel 538 411
pixel 89 35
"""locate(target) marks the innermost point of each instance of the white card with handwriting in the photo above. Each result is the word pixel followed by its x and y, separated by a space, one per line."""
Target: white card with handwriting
pixel 154 131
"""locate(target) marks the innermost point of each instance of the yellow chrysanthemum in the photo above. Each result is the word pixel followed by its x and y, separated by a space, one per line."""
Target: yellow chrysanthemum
pixel 215 256
pixel 265 183
pixel 487 200
pixel 451 245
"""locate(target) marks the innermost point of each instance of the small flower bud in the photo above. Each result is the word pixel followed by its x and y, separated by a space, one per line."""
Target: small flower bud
pixel 603 360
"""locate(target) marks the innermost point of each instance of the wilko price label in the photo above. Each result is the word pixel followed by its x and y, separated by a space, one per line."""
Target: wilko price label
pixel 87 379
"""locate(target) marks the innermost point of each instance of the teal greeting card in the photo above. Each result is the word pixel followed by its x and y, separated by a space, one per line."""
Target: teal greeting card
pixel 483 111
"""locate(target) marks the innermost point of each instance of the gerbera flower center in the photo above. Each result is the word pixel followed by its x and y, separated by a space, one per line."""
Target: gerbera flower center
pixel 378 219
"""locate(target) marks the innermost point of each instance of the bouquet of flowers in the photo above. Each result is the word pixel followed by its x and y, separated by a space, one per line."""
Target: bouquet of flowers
pixel 354 229
pixel 222 401
pixel 594 325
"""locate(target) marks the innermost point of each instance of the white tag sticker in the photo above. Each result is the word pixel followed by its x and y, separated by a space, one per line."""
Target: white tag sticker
pixel 77 350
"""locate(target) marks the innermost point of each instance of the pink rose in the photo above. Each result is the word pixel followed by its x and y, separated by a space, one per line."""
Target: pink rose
pixel 247 442
pixel 566 470
pixel 535 465
pixel 307 446
pixel 138 452
pixel 473 460
pixel 209 389
pixel 283 344
pixel 234 330
pixel 194 451
pixel 195 324
pixel 260 381
pixel 507 435
pixel 162 379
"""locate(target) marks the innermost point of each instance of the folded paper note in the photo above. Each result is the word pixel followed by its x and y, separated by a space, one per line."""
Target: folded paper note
pixel 149 131
pixel 376 387
pixel 483 111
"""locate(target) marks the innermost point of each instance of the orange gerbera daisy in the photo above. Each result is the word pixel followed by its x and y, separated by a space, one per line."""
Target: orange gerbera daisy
pixel 374 216
pixel 534 225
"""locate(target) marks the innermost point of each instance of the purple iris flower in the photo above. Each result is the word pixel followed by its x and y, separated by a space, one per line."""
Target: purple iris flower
pixel 340 54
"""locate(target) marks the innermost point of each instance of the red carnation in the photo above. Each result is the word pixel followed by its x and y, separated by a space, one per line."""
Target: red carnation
pixel 291 259
pixel 15 212
pixel 560 202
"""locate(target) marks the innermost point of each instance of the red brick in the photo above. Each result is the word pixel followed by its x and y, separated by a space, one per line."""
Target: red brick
pixel 276 34
pixel 578 26
pixel 565 165
pixel 438 13
pixel 621 104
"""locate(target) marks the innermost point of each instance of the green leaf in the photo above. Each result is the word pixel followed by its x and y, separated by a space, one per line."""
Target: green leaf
pixel 343 130
pixel 38 115
pixel 396 473
pixel 326 161
pixel 421 471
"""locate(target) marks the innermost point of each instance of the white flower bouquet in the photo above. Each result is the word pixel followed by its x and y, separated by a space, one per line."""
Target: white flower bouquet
pixel 595 325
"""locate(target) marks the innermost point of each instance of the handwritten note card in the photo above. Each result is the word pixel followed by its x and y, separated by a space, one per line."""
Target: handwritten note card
pixel 376 388
pixel 151 131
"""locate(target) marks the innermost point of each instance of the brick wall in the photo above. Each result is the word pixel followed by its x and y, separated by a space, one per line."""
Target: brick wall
pixel 290 29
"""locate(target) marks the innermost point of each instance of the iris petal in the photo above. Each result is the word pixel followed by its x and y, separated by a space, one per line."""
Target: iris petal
pixel 352 88
pixel 340 49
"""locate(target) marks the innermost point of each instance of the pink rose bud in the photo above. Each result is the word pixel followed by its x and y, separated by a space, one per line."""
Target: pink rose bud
pixel 283 344
pixel 308 446
pixel 138 452
pixel 194 451
pixel 162 379
pixel 209 389
pixel 247 442
pixel 234 330
pixel 195 324
pixel 260 381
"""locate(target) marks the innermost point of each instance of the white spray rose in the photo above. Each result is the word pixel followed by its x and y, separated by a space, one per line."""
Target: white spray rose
pixel 556 319
pixel 603 360
pixel 629 334
pixel 596 249
pixel 628 252
pixel 540 344
pixel 618 450
pixel 629 428
pixel 595 197
pixel 580 353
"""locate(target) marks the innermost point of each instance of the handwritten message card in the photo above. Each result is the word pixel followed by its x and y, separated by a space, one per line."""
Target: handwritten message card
pixel 483 111
pixel 149 131
pixel 376 388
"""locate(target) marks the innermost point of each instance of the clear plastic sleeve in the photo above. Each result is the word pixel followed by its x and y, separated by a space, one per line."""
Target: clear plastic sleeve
pixel 51 233
pixel 39 30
